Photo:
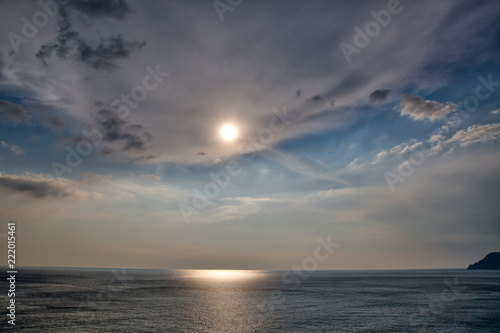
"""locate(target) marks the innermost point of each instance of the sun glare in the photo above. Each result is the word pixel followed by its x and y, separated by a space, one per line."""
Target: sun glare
pixel 224 274
pixel 228 132
pixel 220 274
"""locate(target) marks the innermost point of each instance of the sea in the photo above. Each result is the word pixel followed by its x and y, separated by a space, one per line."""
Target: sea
pixel 125 300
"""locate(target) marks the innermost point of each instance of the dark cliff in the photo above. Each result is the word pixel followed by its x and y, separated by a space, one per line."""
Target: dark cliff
pixel 491 261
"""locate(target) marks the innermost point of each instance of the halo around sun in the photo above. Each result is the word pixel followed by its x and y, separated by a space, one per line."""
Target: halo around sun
pixel 228 132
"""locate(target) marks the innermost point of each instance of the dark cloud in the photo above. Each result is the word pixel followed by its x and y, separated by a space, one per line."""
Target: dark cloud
pixel 115 129
pixel 68 44
pixel 146 158
pixel 135 127
pixel 116 9
pixel 56 122
pixel 106 150
pixel 315 99
pixel 379 95
pixel 40 186
pixel 46 115
pixel 110 49
pixel 32 110
pixel 15 112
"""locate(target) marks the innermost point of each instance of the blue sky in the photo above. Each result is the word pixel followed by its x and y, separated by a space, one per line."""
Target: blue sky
pixel 110 152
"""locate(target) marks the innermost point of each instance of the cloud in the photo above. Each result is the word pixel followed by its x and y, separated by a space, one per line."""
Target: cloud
pixel 107 52
pixel 116 130
pixel 420 109
pixel 15 112
pixel 438 143
pixel 152 178
pixel 48 116
pixel 304 167
pixel 32 110
pixel 379 95
pixel 40 186
pixel 116 9
pixel 476 134
pixel 386 157
pixel 18 151
pixel 146 158
pixel 102 56
pixel 1 66
pixel 315 99
pixel 56 122
pixel 210 69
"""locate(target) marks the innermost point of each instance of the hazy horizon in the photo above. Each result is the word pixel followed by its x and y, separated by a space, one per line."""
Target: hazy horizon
pixel 250 269
pixel 250 134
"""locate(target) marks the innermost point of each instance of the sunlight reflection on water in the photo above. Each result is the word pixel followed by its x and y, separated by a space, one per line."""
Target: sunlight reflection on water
pixel 226 300
pixel 220 274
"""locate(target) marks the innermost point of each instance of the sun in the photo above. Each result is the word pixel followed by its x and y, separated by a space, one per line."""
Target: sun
pixel 228 132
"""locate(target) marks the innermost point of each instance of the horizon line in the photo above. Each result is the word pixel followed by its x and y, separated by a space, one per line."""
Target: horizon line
pixel 227 269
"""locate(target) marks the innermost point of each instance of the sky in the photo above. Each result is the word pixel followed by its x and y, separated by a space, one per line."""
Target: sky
pixel 374 125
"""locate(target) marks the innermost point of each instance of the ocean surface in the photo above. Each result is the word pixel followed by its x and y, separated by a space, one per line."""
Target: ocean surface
pixel 106 300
